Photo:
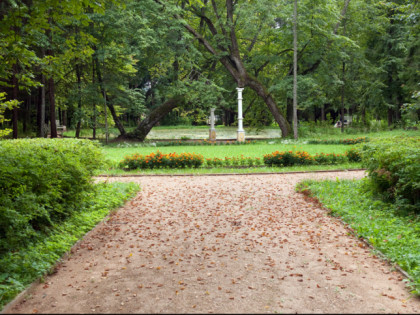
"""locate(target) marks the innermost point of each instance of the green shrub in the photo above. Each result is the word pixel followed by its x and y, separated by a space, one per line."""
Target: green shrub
pixel 394 170
pixel 42 181
pixel 290 158
pixel 353 155
pixel 340 141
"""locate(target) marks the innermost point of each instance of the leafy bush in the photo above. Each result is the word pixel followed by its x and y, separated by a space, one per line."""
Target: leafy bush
pixel 353 155
pixel 340 141
pixel 290 158
pixel 27 262
pixel 42 181
pixel 233 161
pixel 394 170
pixel 160 160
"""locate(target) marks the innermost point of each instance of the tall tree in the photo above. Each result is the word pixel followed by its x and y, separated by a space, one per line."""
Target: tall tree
pixel 295 52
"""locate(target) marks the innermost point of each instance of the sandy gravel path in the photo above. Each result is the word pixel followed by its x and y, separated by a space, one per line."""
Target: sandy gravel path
pixel 221 244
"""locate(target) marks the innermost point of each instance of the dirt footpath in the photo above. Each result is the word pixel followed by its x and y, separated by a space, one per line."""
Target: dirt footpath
pixel 221 244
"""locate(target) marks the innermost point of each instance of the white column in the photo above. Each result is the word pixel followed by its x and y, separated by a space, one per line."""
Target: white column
pixel 241 131
pixel 212 132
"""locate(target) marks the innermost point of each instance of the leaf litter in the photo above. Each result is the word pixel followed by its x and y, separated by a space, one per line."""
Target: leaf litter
pixel 221 244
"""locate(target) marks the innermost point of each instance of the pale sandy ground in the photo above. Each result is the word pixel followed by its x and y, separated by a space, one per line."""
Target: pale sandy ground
pixel 221 244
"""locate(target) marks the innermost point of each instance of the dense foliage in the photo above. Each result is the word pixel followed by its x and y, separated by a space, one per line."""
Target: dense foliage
pixel 349 141
pixel 137 63
pixel 42 182
pixel 380 223
pixel 394 170
pixel 290 158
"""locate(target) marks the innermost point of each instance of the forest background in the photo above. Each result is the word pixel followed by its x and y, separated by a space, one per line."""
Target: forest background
pixel 135 64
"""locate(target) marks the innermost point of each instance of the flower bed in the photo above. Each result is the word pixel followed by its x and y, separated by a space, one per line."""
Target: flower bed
pixel 160 160
pixel 192 160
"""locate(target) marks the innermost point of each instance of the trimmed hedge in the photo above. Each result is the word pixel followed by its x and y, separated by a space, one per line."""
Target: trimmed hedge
pixel 393 166
pixel 290 158
pixel 42 182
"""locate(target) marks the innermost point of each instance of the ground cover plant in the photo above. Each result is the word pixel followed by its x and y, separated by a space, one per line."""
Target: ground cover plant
pixel 23 264
pixel 388 229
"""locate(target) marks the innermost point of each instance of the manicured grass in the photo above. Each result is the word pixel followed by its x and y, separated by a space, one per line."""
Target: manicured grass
pixel 395 234
pixel 115 154
pixel 221 170
pixel 27 264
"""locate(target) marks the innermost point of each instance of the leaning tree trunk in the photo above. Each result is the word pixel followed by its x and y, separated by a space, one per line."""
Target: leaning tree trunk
pixel 111 107
pixel 234 65
pixel 143 129
pixel 262 92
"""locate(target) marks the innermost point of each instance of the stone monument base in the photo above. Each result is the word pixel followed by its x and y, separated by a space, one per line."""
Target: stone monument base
pixel 240 136
pixel 212 135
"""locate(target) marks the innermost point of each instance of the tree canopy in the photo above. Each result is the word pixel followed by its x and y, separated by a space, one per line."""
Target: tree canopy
pixel 137 63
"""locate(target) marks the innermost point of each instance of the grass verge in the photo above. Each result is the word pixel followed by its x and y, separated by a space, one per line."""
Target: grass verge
pixel 20 268
pixel 393 233
pixel 224 170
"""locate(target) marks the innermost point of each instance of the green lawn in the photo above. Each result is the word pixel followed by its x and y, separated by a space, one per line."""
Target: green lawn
pixel 116 151
pixel 220 170
pixel 116 154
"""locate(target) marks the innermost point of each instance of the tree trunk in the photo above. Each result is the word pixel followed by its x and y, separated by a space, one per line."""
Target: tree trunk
pixel 234 65
pixel 117 121
pixel 289 110
pixel 79 87
pixel 52 108
pixel 41 122
pixel 364 117
pixel 323 112
pixel 64 120
pixel 94 105
pixel 295 130
pixel 390 114
pixel 342 98
pixel 271 104
pixel 15 96
pixel 143 129
pixel 27 117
